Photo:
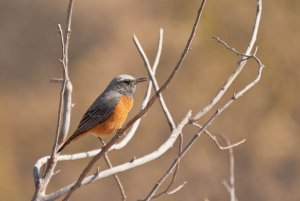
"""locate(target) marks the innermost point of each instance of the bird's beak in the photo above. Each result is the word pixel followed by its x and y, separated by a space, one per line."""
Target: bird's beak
pixel 138 80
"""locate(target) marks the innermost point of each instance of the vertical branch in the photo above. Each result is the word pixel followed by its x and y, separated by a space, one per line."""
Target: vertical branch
pixel 68 85
pixel 64 112
pixel 231 186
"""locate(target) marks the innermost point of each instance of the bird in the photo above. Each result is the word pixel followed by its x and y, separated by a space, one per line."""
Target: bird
pixel 109 111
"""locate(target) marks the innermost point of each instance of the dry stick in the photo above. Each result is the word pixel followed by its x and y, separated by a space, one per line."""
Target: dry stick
pixel 153 80
pixel 161 100
pixel 231 186
pixel 141 113
pixel 116 177
pixel 214 138
pixel 253 56
pixel 218 96
pixel 64 113
pixel 238 69
pixel 121 188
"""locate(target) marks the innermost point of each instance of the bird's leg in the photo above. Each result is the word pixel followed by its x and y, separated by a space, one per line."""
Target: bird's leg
pixel 103 144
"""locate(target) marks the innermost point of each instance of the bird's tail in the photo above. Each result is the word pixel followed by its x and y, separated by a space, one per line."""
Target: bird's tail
pixel 74 136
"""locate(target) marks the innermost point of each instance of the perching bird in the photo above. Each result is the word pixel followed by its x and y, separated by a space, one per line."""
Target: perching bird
pixel 109 111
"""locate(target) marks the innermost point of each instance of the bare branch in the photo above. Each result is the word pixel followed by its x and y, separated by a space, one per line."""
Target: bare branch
pixel 167 191
pixel 177 189
pixel 231 186
pixel 245 57
pixel 64 115
pixel 153 79
pixel 56 80
pixel 116 177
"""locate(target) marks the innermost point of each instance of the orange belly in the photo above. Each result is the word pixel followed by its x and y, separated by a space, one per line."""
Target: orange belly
pixel 116 120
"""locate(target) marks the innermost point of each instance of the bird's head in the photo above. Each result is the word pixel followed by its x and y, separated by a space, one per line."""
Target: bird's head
pixel 125 84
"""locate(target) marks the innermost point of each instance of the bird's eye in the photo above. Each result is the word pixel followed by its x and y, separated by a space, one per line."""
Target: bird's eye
pixel 127 82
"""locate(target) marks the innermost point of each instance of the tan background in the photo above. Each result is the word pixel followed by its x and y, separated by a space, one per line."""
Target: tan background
pixel 267 165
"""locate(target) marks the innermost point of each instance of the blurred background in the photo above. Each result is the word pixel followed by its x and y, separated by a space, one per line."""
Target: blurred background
pixel 267 165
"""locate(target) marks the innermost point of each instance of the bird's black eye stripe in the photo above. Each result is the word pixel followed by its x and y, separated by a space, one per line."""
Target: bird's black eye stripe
pixel 127 82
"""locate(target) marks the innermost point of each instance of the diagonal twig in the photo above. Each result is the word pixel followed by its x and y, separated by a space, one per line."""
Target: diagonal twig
pixel 214 138
pixel 116 177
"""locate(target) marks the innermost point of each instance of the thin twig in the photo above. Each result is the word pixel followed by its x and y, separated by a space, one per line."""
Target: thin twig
pixel 116 177
pixel 230 187
pixel 56 80
pixel 214 138
pixel 245 57
pixel 152 76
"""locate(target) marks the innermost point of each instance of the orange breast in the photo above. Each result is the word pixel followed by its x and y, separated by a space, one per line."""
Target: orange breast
pixel 116 120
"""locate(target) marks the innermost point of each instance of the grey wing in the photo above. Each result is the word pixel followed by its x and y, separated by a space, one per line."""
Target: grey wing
pixel 95 115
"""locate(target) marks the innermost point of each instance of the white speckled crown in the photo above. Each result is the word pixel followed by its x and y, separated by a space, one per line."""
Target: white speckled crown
pixel 123 77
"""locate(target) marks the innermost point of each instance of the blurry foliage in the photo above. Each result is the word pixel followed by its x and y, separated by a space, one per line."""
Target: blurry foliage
pixel 101 47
